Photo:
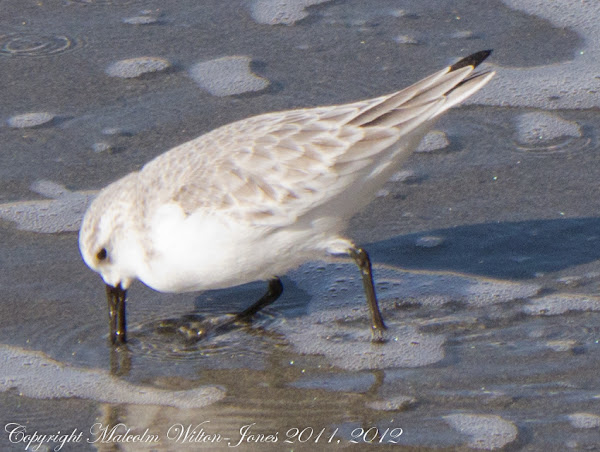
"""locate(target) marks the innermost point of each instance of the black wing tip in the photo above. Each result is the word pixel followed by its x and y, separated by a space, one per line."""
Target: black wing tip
pixel 474 60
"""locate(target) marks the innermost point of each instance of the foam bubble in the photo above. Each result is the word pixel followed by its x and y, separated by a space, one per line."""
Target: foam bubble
pixel 433 141
pixel 562 346
pixel 559 303
pixel 30 120
pixel 399 13
pixel 145 18
pixel 406 39
pixel 337 322
pixel 116 131
pixel 136 67
pixel 572 281
pixel 140 20
pixel 463 34
pixel 272 12
pixel 102 146
pixel 536 127
pixel 429 241
pixel 584 420
pixel 439 288
pixel 227 76
pixel 349 346
pixel 488 432
pixel 37 376
pixel 61 214
pixel 397 403
pixel 487 292
pixel 48 188
pixel 538 86
pixel 402 176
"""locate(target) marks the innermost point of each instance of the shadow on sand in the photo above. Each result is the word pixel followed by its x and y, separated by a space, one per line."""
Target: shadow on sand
pixel 517 250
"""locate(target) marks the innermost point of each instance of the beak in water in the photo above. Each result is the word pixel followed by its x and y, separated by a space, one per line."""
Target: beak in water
pixel 116 313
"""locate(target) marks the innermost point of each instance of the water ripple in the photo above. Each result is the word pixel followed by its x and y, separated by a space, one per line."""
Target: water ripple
pixel 191 337
pixel 34 45
pixel 562 145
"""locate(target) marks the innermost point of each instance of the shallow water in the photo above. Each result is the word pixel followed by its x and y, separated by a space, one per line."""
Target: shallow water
pixel 485 245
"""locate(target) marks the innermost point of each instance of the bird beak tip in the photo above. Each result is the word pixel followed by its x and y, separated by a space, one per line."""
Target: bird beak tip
pixel 116 313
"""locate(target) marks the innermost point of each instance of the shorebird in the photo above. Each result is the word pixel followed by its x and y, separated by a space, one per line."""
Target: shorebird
pixel 255 198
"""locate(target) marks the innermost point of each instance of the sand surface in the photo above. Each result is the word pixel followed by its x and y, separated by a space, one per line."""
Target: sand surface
pixel 485 244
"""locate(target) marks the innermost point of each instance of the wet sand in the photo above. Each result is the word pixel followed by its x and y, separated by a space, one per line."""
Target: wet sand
pixel 485 244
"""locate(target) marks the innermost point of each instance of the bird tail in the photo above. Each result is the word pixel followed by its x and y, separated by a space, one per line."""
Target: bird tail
pixel 434 95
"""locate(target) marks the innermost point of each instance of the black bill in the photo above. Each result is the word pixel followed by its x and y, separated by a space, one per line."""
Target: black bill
pixel 116 313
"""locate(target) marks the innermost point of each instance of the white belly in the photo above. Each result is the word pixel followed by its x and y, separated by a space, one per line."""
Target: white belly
pixel 203 252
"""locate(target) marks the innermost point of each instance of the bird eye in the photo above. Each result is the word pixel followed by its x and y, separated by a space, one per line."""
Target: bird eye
pixel 102 254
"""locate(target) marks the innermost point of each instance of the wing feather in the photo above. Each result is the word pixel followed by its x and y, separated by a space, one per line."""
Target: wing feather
pixel 274 168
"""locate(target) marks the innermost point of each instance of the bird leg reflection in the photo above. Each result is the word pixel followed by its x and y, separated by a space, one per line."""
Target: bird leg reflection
pixel 197 327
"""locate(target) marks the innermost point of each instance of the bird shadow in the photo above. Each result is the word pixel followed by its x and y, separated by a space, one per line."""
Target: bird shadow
pixel 511 250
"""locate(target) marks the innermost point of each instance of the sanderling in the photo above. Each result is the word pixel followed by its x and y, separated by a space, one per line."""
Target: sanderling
pixel 258 197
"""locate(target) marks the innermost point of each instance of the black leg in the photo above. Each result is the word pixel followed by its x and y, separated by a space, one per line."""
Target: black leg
pixel 273 292
pixel 361 258
pixel 116 313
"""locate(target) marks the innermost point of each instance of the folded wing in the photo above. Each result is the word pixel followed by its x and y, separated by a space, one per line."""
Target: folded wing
pixel 274 168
